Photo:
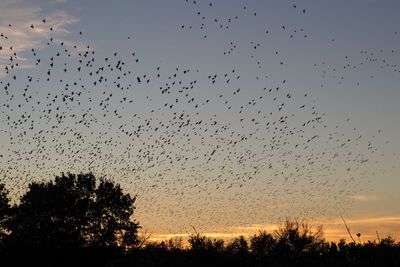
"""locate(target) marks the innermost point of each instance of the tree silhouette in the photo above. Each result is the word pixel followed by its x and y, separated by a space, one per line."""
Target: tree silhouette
pixel 202 243
pixel 238 246
pixel 72 212
pixel 262 244
pixel 4 209
pixel 296 238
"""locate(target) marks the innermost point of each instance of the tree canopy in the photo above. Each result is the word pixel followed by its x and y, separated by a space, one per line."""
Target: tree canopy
pixel 73 211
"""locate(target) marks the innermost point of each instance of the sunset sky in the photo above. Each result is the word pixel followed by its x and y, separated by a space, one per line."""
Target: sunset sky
pixel 226 116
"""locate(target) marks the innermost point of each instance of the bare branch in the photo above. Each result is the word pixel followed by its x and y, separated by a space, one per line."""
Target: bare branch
pixel 347 228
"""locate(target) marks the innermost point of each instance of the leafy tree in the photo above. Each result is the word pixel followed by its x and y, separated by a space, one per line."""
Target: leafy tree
pixel 71 212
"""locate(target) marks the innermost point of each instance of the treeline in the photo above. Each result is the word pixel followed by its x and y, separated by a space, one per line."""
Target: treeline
pixel 78 220
pixel 293 244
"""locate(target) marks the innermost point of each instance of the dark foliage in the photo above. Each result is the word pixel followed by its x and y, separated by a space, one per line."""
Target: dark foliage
pixel 4 211
pixel 72 214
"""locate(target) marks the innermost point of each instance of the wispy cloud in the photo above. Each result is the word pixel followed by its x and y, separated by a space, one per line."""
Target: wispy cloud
pixel 16 18
pixel 364 198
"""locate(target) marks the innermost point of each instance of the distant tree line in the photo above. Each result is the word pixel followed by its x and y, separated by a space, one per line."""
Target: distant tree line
pixel 78 220
pixel 294 243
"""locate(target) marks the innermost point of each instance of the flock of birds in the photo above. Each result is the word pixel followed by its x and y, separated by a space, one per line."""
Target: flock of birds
pixel 230 155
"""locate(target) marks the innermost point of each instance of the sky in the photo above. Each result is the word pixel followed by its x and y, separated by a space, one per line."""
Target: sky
pixel 226 116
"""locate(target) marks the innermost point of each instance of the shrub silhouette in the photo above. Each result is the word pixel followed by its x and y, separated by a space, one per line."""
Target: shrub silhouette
pixel 202 243
pixel 72 212
pixel 173 244
pixel 297 238
pixel 238 245
pixel 262 244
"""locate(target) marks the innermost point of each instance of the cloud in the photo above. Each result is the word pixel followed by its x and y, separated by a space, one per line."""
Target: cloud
pixel 20 38
pixel 364 198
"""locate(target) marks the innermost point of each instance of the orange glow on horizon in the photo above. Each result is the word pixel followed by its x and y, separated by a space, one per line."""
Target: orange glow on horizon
pixel 334 230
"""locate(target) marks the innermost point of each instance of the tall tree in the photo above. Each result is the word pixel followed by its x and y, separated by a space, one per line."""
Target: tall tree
pixel 73 211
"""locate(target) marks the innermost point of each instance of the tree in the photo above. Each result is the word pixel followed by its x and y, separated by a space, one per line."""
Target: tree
pixel 202 243
pixel 72 212
pixel 4 209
